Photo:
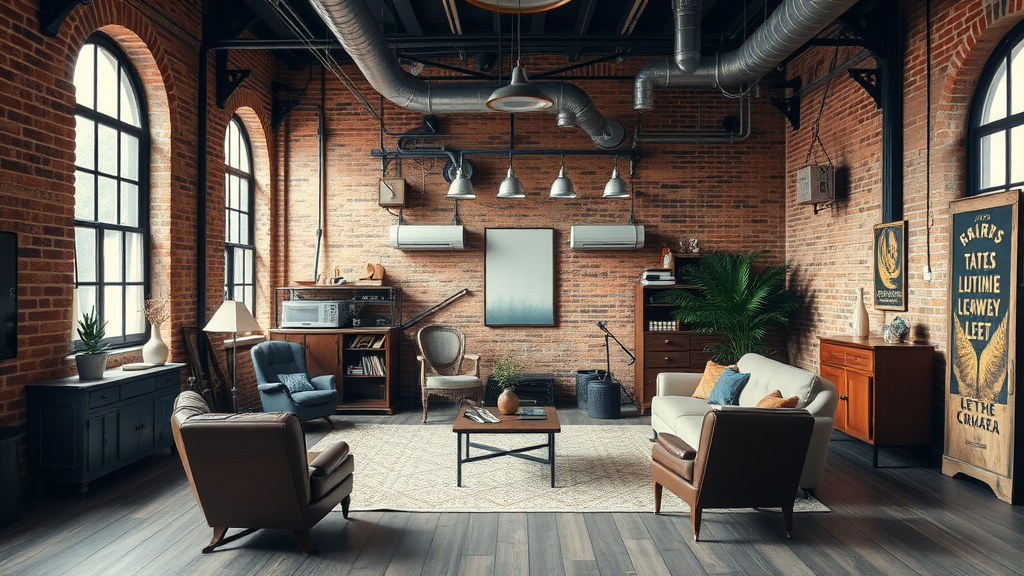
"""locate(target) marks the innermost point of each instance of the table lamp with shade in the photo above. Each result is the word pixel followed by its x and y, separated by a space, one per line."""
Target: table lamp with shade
pixel 233 317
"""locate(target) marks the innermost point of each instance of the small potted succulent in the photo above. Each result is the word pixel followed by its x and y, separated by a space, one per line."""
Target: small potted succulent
pixel 91 360
pixel 506 372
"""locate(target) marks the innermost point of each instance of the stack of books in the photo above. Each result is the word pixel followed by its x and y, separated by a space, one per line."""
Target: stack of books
pixel 657 277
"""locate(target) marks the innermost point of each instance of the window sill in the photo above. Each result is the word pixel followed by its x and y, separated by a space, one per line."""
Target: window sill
pixel 112 353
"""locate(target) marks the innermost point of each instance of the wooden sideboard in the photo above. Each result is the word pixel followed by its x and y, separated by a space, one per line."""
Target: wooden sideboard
pixel 79 430
pixel 884 390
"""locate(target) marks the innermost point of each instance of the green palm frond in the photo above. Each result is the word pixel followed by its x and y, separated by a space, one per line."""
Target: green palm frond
pixel 736 301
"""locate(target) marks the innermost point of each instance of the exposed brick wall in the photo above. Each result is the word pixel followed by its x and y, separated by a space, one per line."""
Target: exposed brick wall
pixel 728 195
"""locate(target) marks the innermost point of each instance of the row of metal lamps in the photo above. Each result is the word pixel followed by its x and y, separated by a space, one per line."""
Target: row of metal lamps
pixel 512 187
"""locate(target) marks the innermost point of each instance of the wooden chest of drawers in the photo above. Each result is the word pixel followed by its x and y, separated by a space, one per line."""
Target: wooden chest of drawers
pixel 884 389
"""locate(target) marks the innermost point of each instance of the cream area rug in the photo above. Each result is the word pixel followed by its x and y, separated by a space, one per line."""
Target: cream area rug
pixel 412 468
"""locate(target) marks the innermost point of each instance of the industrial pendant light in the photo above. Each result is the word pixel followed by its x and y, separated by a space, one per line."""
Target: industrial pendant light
pixel 519 95
pixel 511 187
pixel 616 186
pixel 562 187
pixel 461 188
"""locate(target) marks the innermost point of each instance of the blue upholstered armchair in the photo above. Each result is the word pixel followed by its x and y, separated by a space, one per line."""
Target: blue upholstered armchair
pixel 276 361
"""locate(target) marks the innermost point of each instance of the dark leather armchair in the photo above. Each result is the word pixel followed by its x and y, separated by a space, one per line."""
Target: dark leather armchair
pixel 748 458
pixel 275 357
pixel 252 471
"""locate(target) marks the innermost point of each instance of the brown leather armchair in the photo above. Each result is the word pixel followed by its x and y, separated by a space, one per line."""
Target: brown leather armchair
pixel 748 458
pixel 252 471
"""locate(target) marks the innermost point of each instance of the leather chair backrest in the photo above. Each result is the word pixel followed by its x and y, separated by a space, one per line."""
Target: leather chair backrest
pixel 186 405
pixel 275 357
pixel 443 347
pixel 748 457
pixel 247 469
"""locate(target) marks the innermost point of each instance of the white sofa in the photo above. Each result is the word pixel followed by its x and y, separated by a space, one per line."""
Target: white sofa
pixel 673 410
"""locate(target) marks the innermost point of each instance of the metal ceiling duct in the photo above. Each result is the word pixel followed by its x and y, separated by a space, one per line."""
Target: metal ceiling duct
pixel 355 27
pixel 788 28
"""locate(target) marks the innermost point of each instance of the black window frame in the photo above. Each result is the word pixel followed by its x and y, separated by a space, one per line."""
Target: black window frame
pixel 975 132
pixel 230 282
pixel 142 132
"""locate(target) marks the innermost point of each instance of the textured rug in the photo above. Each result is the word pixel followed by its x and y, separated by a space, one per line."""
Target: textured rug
pixel 597 469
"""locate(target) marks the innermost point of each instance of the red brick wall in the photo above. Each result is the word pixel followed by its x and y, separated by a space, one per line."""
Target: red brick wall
pixel 729 195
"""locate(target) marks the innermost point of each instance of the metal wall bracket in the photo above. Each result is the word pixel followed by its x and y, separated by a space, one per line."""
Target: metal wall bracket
pixel 789 105
pixel 227 79
pixel 53 12
pixel 868 80
pixel 280 107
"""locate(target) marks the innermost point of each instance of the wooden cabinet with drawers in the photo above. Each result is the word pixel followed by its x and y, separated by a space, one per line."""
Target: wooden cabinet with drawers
pixel 884 389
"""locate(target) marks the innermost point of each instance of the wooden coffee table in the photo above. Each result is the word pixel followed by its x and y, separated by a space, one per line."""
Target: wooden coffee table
pixel 509 425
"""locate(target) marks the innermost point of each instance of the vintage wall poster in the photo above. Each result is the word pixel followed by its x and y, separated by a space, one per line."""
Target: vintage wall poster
pixel 979 403
pixel 890 246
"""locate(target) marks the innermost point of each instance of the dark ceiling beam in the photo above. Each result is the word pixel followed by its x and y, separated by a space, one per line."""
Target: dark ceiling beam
pixel 595 44
pixel 755 16
pixel 706 7
pixel 407 15
pixel 630 16
pixel 277 25
pixel 586 13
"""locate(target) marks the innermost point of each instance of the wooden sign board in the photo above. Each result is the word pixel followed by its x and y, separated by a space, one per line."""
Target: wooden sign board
pixel 981 401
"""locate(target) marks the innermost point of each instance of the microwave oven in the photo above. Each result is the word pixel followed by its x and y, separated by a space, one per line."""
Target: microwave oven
pixel 310 314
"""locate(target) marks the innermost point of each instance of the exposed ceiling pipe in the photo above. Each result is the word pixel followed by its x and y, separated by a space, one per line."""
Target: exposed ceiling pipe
pixel 789 27
pixel 353 24
pixel 687 39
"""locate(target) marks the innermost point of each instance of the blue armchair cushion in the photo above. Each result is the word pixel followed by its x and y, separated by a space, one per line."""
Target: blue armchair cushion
pixel 296 382
pixel 728 387
pixel 315 397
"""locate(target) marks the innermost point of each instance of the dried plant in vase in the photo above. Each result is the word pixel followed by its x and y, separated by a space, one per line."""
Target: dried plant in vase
pixel 507 372
pixel 158 311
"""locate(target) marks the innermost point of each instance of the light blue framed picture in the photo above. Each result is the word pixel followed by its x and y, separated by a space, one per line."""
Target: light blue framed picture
pixel 519 277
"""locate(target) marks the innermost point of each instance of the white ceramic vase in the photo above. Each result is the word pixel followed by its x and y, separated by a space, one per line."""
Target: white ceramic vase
pixel 155 351
pixel 859 317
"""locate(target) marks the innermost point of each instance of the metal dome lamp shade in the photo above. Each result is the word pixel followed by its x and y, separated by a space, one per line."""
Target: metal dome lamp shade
pixel 519 95
pixel 616 186
pixel 562 187
pixel 461 188
pixel 511 187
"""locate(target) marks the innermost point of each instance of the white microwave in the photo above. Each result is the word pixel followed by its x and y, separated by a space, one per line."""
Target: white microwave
pixel 310 314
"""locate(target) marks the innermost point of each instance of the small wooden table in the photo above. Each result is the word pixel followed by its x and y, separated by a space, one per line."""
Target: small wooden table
pixel 510 424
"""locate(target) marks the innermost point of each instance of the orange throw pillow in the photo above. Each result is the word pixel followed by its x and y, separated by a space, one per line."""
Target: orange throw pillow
pixel 775 400
pixel 711 373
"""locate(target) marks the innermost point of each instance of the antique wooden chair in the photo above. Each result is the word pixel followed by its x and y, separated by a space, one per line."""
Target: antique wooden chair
pixel 445 368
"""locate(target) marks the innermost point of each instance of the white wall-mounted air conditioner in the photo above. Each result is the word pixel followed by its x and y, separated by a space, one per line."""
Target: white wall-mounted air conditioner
pixel 606 237
pixel 423 237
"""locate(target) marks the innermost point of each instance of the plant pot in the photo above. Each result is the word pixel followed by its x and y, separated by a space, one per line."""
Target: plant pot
pixel 91 366
pixel 155 350
pixel 508 402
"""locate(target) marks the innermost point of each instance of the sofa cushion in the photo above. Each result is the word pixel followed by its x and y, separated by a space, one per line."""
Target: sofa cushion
pixel 767 375
pixel 707 381
pixel 315 397
pixel 774 399
pixel 727 390
pixel 298 382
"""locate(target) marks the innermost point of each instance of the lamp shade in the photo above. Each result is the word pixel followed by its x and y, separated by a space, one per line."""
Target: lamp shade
pixel 233 317
pixel 511 187
pixel 616 186
pixel 519 96
pixel 562 187
pixel 461 188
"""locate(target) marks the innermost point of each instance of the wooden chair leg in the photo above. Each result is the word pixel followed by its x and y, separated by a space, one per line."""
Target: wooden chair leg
pixel 695 519
pixel 344 506
pixel 787 521
pixel 303 537
pixel 329 421
pixel 424 406
pixel 218 535
pixel 657 497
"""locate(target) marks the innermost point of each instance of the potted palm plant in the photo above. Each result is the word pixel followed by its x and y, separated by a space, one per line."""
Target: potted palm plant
pixel 506 372
pixel 736 301
pixel 91 360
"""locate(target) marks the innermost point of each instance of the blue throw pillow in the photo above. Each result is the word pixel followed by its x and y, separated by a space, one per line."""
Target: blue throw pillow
pixel 296 382
pixel 728 387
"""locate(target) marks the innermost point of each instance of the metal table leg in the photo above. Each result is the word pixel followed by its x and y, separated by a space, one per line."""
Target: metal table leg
pixel 458 450
pixel 551 456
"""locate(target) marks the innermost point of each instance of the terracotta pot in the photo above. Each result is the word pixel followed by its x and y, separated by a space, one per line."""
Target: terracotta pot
pixel 508 402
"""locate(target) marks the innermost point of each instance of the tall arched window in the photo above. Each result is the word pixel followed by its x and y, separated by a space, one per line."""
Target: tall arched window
pixel 111 192
pixel 239 248
pixel 996 135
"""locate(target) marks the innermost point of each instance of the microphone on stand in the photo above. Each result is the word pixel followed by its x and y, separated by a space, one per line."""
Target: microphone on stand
pixel 601 323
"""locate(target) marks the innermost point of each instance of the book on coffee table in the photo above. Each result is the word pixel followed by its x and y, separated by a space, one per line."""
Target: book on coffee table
pixel 531 413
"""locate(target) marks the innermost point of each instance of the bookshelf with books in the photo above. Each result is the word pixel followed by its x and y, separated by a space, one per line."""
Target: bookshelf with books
pixel 364 361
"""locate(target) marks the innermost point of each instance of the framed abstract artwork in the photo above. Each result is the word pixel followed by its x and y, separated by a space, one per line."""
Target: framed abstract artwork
pixel 519 277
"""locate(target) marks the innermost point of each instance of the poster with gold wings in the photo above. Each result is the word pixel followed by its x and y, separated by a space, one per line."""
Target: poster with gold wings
pixel 979 402
pixel 890 247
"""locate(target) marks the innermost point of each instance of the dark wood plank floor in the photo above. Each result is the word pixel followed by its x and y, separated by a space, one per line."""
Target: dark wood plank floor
pixel 895 520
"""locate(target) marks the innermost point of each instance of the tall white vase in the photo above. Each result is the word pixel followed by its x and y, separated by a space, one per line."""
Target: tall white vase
pixel 859 317
pixel 155 351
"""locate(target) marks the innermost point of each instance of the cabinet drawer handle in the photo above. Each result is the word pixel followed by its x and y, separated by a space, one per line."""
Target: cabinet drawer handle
pixel 667 358
pixel 668 341
pixel 104 397
pixel 844 397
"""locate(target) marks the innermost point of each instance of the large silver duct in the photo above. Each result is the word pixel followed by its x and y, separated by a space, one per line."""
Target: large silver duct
pixel 687 38
pixel 354 26
pixel 788 28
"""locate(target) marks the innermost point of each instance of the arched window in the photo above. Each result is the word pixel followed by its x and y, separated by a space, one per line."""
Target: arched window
pixel 239 248
pixel 996 134
pixel 111 192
